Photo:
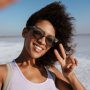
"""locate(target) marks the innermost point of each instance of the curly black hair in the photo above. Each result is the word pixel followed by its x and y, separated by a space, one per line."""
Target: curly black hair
pixel 56 14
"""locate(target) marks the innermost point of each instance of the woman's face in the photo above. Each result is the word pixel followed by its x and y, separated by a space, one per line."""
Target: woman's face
pixel 37 48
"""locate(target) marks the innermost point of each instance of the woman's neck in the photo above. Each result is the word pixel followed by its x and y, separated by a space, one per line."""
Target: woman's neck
pixel 24 57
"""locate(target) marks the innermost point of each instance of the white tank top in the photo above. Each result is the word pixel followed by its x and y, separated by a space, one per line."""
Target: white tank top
pixel 19 82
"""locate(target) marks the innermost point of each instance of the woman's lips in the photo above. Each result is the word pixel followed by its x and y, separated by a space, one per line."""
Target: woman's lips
pixel 37 48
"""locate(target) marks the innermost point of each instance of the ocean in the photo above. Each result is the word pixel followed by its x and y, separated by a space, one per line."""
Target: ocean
pixel 10 48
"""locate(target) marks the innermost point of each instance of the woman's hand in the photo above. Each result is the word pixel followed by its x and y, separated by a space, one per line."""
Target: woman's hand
pixel 67 63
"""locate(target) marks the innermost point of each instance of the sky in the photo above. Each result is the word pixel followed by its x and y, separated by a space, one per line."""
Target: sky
pixel 14 17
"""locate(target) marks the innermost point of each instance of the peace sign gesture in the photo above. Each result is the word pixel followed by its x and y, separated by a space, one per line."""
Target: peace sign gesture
pixel 67 63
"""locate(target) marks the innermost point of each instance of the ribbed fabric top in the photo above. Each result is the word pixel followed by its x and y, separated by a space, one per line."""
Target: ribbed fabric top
pixel 19 82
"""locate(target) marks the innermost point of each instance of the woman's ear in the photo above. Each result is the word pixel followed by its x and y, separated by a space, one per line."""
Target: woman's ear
pixel 25 32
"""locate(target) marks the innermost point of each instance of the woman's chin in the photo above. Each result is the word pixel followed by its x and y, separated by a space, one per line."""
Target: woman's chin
pixel 36 55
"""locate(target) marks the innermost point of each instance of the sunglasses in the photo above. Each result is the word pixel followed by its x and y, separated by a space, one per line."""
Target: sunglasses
pixel 37 33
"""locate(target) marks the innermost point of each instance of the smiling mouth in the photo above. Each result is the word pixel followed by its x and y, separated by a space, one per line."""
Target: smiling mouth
pixel 37 48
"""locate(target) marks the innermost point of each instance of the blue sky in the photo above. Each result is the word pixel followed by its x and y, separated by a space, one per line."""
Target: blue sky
pixel 14 17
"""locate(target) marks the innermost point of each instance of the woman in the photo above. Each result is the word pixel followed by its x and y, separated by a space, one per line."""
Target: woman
pixel 47 39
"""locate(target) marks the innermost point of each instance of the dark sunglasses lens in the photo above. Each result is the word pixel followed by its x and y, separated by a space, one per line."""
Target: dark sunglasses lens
pixel 50 41
pixel 37 33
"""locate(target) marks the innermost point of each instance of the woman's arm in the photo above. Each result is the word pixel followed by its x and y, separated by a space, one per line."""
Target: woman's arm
pixel 66 83
pixel 75 83
pixel 62 85
pixel 61 82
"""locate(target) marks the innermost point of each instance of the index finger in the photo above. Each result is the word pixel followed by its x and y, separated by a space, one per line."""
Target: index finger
pixel 60 59
pixel 62 51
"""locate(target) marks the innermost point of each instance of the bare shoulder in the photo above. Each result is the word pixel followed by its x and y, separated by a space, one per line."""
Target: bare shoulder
pixel 3 73
pixel 3 69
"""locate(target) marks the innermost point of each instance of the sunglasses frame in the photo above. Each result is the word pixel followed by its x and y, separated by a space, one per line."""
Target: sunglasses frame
pixel 36 28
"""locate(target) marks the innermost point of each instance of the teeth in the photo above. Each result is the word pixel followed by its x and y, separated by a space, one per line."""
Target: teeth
pixel 37 48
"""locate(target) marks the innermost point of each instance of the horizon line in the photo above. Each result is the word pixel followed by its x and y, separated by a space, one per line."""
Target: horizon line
pixel 21 35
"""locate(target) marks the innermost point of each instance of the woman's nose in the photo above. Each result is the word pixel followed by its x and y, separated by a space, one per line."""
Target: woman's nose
pixel 42 41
